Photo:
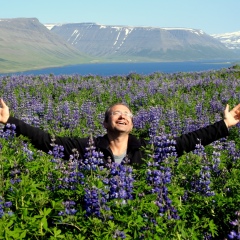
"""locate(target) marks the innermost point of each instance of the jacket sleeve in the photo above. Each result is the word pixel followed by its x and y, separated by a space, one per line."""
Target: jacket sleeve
pixel 204 136
pixel 43 140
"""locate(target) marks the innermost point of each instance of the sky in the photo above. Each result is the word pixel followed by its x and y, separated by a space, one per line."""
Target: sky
pixel 211 16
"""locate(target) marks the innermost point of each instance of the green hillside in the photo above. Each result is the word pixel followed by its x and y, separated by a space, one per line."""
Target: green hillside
pixel 26 44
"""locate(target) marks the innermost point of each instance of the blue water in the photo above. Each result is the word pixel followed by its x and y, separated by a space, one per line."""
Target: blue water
pixel 110 69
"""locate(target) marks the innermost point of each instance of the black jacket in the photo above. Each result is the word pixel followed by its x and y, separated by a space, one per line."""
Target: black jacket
pixel 185 143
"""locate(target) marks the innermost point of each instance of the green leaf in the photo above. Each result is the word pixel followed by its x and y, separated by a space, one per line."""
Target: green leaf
pixel 47 211
pixel 111 224
pixel 23 234
pixel 44 223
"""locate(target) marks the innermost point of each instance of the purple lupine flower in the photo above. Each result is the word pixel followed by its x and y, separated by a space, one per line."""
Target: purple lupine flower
pixel 57 152
pixel 173 122
pixel 155 116
pixel 95 199
pixel 70 175
pixel 120 181
pixel 92 202
pixel 119 234
pixel 92 159
pixel 118 184
pixel 199 150
pixel 233 153
pixel 215 105
pixel 5 207
pixel 164 148
pixel 28 152
pixel 201 183
pixel 65 113
pixel 232 235
pixel 190 125
pixel 207 236
pixel 69 208
pixel 141 119
pixel 235 223
pixel 14 174
pixel 9 131
pixel 160 177
pixel 216 161
pixel 87 110
pixel 7 204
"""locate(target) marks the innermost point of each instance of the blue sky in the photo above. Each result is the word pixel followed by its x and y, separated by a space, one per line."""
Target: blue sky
pixel 211 16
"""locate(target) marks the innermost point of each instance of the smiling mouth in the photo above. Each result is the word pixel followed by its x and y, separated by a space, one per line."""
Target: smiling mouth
pixel 121 123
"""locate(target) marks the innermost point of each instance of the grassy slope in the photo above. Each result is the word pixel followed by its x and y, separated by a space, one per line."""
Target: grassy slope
pixel 27 45
pixel 26 57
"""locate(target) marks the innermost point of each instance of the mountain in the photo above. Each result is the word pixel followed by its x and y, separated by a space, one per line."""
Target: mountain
pixel 230 40
pixel 125 43
pixel 26 44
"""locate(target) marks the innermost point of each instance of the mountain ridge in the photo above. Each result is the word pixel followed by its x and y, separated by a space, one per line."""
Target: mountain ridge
pixel 141 43
pixel 230 39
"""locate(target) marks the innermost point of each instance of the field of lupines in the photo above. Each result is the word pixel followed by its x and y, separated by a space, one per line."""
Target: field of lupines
pixel 196 196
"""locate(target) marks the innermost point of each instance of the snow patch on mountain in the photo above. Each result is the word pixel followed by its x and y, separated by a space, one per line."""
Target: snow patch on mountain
pixel 230 40
pixel 198 32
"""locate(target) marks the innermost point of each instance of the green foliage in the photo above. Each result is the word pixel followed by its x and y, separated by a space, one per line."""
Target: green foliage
pixel 29 178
